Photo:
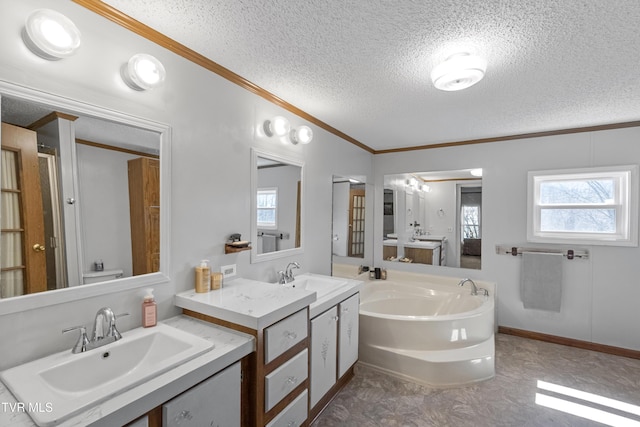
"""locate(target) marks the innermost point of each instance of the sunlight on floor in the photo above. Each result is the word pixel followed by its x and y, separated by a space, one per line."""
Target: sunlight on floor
pixel 585 411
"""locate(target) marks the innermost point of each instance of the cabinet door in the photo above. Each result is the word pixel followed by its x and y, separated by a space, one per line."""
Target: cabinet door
pixel 348 333
pixel 324 340
pixel 214 402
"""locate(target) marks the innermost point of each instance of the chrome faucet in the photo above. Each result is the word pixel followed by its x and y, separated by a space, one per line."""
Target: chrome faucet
pixel 475 289
pixel 104 331
pixel 286 276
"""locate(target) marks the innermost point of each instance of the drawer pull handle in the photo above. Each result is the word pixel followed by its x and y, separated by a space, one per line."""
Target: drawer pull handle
pixel 292 380
pixel 290 335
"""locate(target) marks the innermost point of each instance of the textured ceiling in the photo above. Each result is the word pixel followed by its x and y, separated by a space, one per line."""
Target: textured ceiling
pixel 363 67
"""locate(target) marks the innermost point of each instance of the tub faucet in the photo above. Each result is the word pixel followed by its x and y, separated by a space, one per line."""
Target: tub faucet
pixel 104 331
pixel 286 276
pixel 475 289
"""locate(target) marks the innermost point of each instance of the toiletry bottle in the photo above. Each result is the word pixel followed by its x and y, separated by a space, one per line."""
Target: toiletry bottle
pixel 149 310
pixel 203 277
pixel 216 280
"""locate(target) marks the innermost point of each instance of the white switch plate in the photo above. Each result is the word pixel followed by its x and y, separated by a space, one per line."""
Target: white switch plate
pixel 228 270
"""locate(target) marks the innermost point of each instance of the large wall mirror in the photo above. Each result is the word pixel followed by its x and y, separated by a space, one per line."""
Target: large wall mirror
pixel 276 206
pixel 433 218
pixel 348 220
pixel 85 201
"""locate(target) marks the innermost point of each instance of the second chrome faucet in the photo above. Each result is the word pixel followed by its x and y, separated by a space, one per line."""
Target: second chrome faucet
pixel 104 331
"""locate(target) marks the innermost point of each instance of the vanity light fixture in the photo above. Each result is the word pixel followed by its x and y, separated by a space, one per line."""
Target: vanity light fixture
pixel 50 35
pixel 458 72
pixel 301 135
pixel 278 126
pixel 143 72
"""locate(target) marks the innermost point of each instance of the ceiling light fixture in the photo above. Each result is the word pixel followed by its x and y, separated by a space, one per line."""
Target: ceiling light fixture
pixel 301 135
pixel 143 72
pixel 476 172
pixel 278 126
pixel 458 72
pixel 50 35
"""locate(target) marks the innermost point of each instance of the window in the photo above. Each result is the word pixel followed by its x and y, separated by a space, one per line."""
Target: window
pixel 471 222
pixel 267 208
pixel 593 206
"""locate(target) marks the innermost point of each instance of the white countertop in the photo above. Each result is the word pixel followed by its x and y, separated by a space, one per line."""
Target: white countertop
pixel 423 244
pixel 229 347
pixel 246 302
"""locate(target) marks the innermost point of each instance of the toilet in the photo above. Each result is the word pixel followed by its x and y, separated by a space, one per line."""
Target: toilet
pixel 100 276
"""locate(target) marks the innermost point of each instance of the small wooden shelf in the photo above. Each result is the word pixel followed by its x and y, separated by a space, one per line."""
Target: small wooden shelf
pixel 230 249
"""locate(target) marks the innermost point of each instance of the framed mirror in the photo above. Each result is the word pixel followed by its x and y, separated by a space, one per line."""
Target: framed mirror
pixel 433 218
pixel 348 241
pixel 85 200
pixel 277 206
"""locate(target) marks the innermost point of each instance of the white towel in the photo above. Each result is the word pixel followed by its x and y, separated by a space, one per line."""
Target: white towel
pixel 541 282
pixel 268 243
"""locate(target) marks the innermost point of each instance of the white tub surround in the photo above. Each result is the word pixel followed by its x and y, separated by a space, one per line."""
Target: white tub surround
pixel 428 329
pixel 228 347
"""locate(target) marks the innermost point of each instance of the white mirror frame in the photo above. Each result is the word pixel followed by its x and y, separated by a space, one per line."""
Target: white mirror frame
pixel 32 301
pixel 255 256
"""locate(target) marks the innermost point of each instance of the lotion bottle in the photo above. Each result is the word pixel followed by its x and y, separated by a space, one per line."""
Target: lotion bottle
pixel 203 277
pixel 149 310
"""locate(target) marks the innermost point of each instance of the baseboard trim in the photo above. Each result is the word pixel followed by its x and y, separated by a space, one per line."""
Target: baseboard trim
pixel 585 345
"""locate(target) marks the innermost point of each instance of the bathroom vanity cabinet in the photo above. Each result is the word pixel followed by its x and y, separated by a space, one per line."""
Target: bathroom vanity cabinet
pixel 215 402
pixel 334 351
pixel 275 376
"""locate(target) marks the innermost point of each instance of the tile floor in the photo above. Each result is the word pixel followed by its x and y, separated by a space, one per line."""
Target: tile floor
pixel 376 399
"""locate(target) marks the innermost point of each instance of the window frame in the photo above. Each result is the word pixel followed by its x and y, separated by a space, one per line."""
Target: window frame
pixel 263 225
pixel 625 203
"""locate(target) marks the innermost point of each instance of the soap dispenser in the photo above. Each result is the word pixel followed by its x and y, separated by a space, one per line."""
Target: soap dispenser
pixel 203 277
pixel 149 310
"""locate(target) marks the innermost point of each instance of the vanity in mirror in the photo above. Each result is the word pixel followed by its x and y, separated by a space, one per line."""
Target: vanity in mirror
pixel 433 218
pixel 81 195
pixel 277 206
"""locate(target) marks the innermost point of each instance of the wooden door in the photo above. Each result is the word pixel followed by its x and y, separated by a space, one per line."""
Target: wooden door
pixel 356 223
pixel 23 257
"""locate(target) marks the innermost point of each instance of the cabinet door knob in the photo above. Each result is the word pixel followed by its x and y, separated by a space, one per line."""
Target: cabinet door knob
pixel 292 380
pixel 290 335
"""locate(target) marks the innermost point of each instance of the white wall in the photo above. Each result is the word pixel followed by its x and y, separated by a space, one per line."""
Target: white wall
pixel 213 124
pixel 601 295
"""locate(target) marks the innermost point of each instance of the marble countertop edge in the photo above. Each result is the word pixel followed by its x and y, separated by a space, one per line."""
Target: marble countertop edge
pixel 230 346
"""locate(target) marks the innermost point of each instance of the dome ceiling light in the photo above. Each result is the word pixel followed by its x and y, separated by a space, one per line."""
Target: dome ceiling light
pixel 143 72
pixel 50 35
pixel 458 72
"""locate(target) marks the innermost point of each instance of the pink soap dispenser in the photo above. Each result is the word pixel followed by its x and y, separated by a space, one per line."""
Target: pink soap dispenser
pixel 149 310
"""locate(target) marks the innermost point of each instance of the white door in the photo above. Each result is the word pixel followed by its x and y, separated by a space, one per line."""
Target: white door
pixel 214 402
pixel 324 341
pixel 348 333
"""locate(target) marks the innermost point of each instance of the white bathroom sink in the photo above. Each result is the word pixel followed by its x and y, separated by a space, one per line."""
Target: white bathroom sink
pixel 321 285
pixel 70 383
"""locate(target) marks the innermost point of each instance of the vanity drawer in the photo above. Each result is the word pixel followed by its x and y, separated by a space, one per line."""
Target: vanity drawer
pixel 285 379
pixel 293 415
pixel 283 335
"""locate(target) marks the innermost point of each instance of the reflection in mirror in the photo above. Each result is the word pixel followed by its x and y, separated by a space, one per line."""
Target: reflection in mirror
pixel 276 206
pixel 348 217
pixel 433 218
pixel 348 224
pixel 80 199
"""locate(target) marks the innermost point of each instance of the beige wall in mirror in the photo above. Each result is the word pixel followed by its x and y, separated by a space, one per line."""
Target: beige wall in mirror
pixel 433 218
pixel 277 205
pixel 80 198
